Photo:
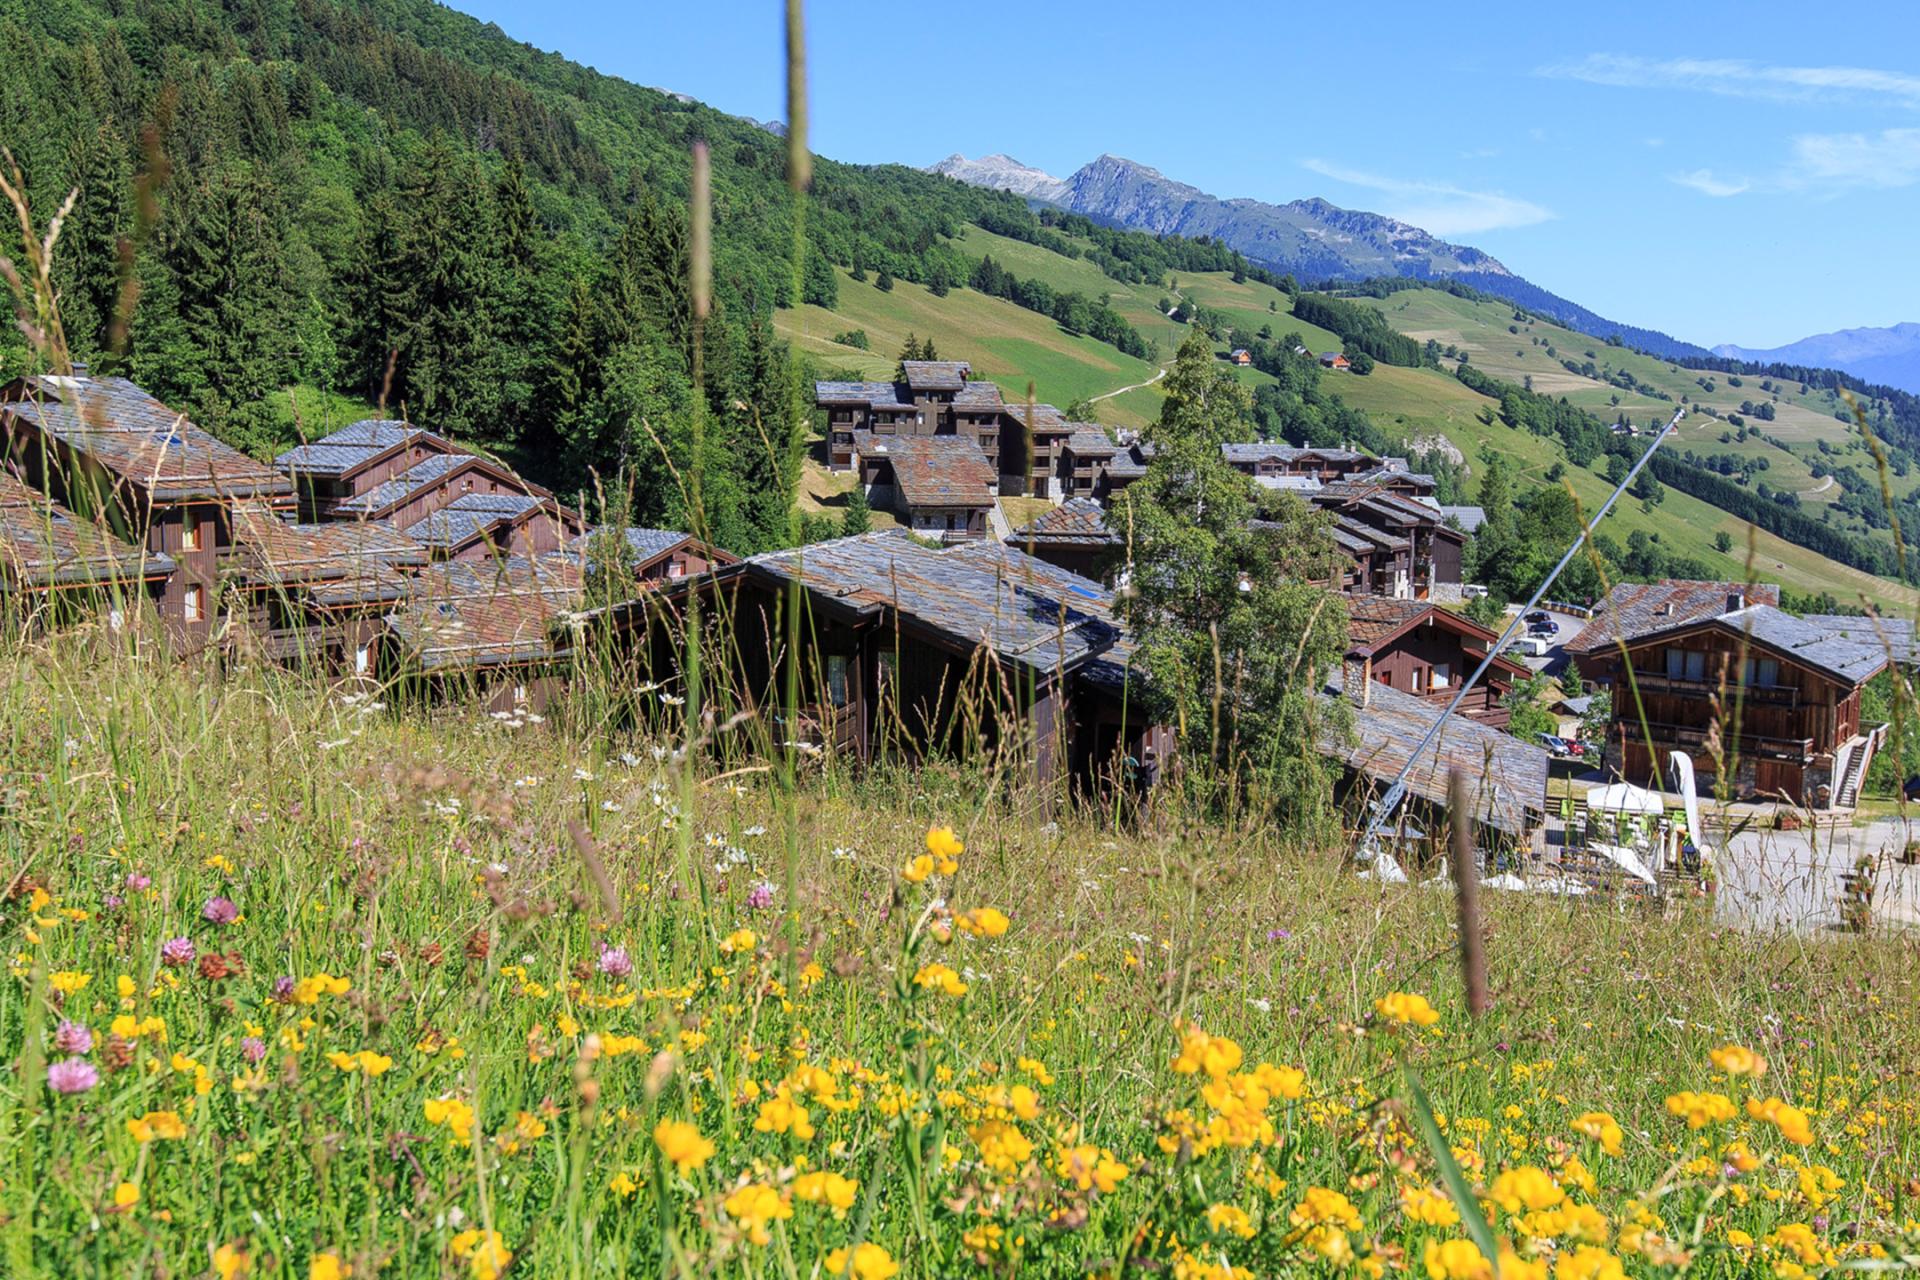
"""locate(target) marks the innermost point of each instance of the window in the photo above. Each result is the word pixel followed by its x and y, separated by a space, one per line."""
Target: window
pixel 362 659
pixel 519 695
pixel 189 529
pixel 837 680
pixel 1763 673
pixel 1442 675
pixel 195 605
pixel 1686 664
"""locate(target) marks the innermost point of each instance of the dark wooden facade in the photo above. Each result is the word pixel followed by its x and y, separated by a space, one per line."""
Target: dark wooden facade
pixel 105 449
pixel 1798 733
pixel 899 684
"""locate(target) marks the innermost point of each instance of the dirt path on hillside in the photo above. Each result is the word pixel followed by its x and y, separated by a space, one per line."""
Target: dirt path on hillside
pixel 1826 483
pixel 1158 374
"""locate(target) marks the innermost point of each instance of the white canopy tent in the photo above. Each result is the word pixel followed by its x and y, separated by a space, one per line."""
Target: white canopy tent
pixel 1623 799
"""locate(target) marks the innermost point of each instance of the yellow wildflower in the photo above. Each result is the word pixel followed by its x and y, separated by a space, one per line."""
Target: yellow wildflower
pixel 756 1207
pixel 1700 1109
pixel 682 1144
pixel 945 848
pixel 1406 1008
pixel 1738 1061
pixel 828 1188
pixel 869 1262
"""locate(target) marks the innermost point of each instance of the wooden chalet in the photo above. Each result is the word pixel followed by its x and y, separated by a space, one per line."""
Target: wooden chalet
pixel 1433 549
pixel 1241 357
pixel 1266 461
pixel 907 652
pixel 1682 654
pixel 1043 432
pixel 485 628
pixel 1334 360
pixel 941 486
pixel 489 526
pixel 1507 778
pixel 937 398
pixel 1073 536
pixel 103 448
pixel 315 593
pixel 355 461
pixel 51 559
pixel 1420 649
pixel 655 556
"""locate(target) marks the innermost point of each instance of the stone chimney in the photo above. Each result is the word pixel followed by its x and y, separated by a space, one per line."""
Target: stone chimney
pixel 1356 679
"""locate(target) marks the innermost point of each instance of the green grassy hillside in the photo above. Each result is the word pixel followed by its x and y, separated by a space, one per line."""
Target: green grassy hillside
pixel 1011 345
pixel 1518 350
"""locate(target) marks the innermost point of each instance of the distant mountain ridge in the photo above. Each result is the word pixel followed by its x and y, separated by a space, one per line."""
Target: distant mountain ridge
pixel 1889 356
pixel 1314 239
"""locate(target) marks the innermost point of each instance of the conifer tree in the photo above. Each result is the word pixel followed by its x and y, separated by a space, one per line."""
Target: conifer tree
pixel 858 517
pixel 449 369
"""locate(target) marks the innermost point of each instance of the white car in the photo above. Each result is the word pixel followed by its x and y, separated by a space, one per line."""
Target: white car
pixel 1531 646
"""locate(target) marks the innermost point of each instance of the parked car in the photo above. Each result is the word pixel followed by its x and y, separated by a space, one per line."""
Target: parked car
pixel 1554 743
pixel 1545 628
pixel 1530 646
pixel 1539 615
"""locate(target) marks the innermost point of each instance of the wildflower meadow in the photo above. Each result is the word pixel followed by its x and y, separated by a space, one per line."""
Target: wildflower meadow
pixel 306 985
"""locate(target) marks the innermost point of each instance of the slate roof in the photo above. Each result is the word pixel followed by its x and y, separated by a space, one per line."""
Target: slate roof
pixel 1829 652
pixel 1394 475
pixel 853 392
pixel 643 545
pixel 1023 609
pixel 1044 420
pixel 1075 522
pixel 1893 635
pixel 42 544
pixel 936 375
pixel 1091 442
pixel 1635 609
pixel 1468 518
pixel 340 562
pixel 351 447
pixel 397 489
pixel 1292 484
pixel 138 439
pixel 978 395
pixel 1374 621
pixel 1506 777
pixel 941 471
pixel 463 614
pixel 469 516
pixel 1277 451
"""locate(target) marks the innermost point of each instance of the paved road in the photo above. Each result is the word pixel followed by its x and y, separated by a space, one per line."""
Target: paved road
pixel 1791 879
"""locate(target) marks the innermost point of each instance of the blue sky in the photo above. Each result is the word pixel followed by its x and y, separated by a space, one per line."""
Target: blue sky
pixel 1745 174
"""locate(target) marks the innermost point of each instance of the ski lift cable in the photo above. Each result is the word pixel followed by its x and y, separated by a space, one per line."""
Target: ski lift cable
pixel 1384 807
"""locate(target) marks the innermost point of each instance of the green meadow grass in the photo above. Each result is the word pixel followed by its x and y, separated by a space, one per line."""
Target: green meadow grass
pixel 1008 345
pixel 529 964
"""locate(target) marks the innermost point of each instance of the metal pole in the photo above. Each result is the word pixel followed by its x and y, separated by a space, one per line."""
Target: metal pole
pixel 1383 808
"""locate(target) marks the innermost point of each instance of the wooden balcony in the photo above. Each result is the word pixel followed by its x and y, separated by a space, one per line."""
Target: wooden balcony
pixel 1771 695
pixel 1688 738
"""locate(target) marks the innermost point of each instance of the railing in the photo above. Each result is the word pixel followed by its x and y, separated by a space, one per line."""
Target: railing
pixel 1750 744
pixel 1784 695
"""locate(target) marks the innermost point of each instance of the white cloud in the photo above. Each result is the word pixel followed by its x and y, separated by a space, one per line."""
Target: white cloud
pixel 1438 207
pixel 1890 158
pixel 1739 78
pixel 1706 183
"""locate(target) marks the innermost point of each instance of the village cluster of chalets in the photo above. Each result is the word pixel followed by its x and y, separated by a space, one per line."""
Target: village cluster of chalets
pixel 385 553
